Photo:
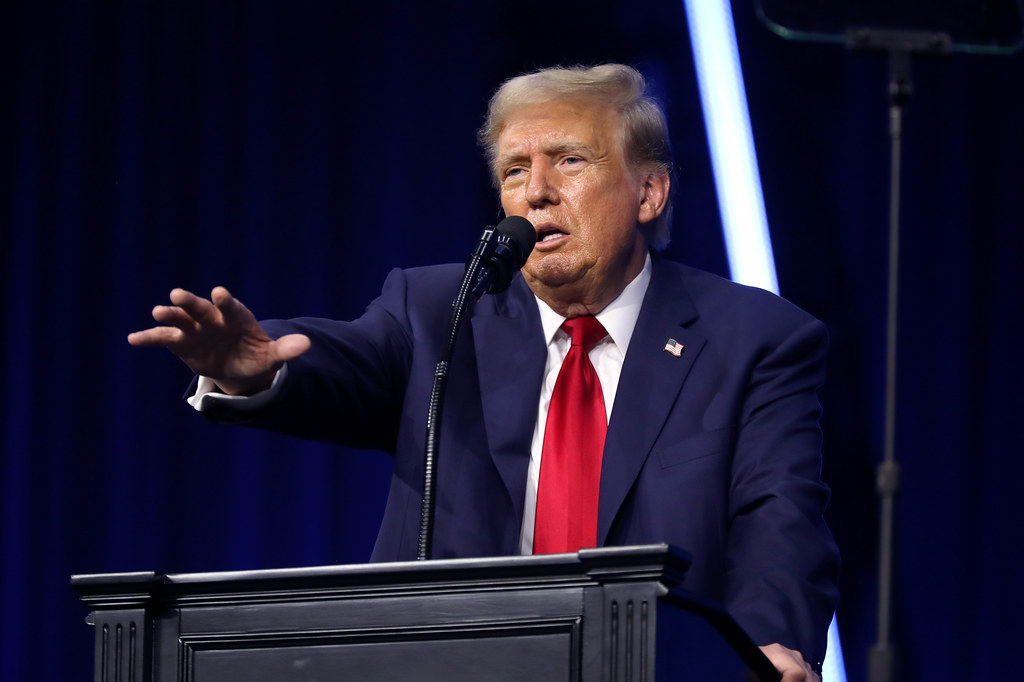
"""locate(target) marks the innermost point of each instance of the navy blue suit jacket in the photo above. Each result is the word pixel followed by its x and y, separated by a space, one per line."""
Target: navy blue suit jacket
pixel 717 451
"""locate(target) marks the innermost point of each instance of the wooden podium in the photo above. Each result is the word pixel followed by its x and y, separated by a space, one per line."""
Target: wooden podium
pixel 605 614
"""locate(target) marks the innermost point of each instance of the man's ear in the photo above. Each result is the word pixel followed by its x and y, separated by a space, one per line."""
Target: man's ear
pixel 653 194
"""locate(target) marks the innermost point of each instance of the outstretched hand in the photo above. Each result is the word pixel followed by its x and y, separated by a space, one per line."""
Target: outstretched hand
pixel 219 338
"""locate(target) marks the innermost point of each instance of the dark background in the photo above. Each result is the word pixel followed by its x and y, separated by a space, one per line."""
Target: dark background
pixel 296 151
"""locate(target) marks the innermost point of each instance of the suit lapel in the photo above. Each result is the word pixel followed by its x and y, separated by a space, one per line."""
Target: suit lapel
pixel 510 355
pixel 648 388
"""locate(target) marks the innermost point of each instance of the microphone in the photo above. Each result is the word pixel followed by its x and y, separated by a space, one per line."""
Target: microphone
pixel 503 250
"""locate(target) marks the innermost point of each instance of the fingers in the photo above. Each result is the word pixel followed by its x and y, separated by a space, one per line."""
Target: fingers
pixel 190 310
pixel 179 320
pixel 197 308
pixel 217 336
pixel 232 310
pixel 157 336
pixel 173 316
pixel 221 308
pixel 790 663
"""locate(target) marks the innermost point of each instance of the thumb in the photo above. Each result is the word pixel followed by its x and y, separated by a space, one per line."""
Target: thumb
pixel 290 347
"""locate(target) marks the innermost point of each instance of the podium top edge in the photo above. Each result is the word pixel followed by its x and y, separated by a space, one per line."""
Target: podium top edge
pixel 602 562
pixel 131 578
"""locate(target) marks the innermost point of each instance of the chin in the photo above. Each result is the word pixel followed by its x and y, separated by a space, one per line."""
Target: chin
pixel 552 270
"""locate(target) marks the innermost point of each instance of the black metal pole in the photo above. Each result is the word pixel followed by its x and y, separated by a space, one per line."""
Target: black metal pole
pixel 882 659
pixel 900 45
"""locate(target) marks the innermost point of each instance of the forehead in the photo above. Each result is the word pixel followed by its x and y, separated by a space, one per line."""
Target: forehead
pixel 559 123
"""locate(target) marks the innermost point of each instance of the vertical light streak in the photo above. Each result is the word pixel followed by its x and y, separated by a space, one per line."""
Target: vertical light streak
pixel 748 244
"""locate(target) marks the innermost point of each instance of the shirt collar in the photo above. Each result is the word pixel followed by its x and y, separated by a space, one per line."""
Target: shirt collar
pixel 618 317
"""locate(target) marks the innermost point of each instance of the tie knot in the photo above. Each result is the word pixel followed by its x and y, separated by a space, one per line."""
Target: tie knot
pixel 584 331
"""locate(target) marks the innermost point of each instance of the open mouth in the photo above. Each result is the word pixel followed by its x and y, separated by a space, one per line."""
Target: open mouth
pixel 549 234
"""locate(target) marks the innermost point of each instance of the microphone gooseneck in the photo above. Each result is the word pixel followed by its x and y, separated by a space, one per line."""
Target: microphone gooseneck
pixel 501 251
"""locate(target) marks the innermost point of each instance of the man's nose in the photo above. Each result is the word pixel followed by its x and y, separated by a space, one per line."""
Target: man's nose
pixel 540 190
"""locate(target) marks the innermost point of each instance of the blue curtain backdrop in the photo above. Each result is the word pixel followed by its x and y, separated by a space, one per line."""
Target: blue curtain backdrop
pixel 296 151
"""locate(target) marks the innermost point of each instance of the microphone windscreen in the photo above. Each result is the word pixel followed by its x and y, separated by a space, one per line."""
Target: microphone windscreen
pixel 521 233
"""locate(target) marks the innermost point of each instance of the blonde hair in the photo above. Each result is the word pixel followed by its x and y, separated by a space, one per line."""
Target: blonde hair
pixel 644 129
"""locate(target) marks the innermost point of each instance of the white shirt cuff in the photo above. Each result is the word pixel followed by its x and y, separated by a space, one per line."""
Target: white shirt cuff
pixel 208 393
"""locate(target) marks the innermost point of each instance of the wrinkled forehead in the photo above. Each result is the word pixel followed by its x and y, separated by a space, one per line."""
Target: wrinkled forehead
pixel 559 123
pixel 592 105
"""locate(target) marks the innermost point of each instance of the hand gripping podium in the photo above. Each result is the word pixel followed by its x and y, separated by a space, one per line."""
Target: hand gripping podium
pixel 607 614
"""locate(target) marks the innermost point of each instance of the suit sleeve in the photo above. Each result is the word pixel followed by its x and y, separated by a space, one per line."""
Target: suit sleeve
pixel 781 561
pixel 349 386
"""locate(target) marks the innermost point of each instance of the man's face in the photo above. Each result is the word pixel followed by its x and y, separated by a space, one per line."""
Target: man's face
pixel 561 165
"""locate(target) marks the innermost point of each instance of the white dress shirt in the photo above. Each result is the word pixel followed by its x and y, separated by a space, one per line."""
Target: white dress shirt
pixel 618 318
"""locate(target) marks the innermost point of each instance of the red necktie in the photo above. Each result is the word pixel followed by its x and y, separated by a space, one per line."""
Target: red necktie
pixel 570 464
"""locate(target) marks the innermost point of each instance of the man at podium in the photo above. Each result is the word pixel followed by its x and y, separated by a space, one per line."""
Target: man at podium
pixel 607 397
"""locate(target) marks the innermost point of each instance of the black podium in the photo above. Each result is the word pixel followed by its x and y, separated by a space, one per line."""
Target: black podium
pixel 601 614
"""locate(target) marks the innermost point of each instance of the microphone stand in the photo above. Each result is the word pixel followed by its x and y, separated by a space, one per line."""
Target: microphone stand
pixel 469 292
pixel 900 45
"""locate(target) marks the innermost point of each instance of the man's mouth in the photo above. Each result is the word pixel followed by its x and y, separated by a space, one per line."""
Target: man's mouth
pixel 549 234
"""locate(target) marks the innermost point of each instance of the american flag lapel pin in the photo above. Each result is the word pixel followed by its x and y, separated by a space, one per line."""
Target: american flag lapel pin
pixel 674 347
